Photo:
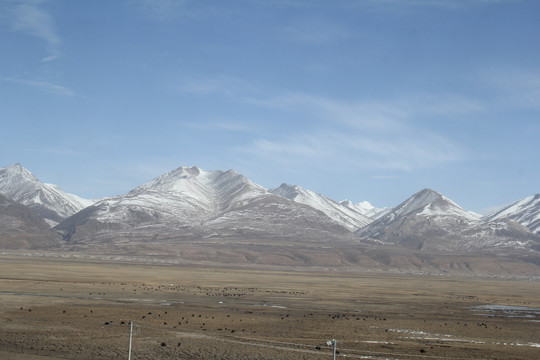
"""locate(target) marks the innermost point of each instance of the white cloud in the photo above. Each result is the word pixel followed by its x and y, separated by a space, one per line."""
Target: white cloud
pixel 514 88
pixel 364 134
pixel 27 16
pixel 362 114
pixel 42 85
pixel 375 115
pixel 355 149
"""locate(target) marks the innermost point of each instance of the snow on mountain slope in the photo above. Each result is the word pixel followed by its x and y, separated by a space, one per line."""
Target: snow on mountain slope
pixel 273 218
pixel 424 203
pixel 365 208
pixel 501 235
pixel 429 202
pixel 47 200
pixel 348 217
pixel 207 203
pixel 187 195
pixel 430 221
pixel 525 212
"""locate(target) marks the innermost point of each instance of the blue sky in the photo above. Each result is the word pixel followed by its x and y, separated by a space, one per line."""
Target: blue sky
pixel 365 100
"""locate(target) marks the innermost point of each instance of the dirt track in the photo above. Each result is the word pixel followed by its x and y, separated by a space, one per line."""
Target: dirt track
pixel 62 309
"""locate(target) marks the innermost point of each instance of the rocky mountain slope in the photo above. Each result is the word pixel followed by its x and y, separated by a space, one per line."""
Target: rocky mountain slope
pixel 221 217
pixel 525 212
pixel 21 228
pixel 47 200
pixel 428 221
pixel 346 216
pixel 197 204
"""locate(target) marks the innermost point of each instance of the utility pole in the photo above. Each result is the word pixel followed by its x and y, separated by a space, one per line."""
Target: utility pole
pixel 130 336
pixel 334 343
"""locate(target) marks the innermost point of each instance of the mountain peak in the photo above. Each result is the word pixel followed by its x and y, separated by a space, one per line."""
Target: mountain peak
pixel 348 203
pixel 418 201
pixel 430 202
pixel 525 211
pixel 344 215
pixel 366 205
pixel 286 190
pixel 365 208
pixel 47 200
pixel 18 170
pixel 17 166
pixel 208 190
pixel 183 171
pixel 194 170
pixel 427 192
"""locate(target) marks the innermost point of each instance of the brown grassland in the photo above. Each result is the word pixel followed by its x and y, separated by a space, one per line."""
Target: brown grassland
pixel 67 309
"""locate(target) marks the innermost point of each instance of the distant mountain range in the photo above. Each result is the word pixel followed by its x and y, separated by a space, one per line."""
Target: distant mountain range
pixel 430 221
pixel 222 217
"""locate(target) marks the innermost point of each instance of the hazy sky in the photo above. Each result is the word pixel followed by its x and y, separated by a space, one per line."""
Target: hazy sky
pixel 359 99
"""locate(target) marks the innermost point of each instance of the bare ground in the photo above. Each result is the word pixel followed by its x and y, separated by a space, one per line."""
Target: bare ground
pixel 66 309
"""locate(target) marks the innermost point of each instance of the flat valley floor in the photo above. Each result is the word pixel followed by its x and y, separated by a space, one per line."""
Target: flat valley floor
pixel 67 309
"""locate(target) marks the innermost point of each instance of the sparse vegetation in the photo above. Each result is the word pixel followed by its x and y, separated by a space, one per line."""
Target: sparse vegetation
pixel 275 314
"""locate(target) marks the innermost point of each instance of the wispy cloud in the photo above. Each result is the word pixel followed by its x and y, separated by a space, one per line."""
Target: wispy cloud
pixel 374 114
pixel 29 17
pixel 398 133
pixel 42 85
pixel 363 135
pixel 514 87
pixel 357 150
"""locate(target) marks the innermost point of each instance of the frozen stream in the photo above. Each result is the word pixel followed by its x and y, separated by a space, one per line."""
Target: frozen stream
pixel 507 311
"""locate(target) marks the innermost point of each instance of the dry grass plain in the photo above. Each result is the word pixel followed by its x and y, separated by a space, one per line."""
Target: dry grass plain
pixel 66 309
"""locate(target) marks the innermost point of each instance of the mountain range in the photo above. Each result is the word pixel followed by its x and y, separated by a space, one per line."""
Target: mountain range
pixel 194 215
pixel 430 221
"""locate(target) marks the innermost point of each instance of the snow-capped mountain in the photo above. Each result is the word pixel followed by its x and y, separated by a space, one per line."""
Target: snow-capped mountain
pixel 21 228
pixel 432 203
pixel 422 205
pixel 185 195
pixel 346 216
pixel 366 209
pixel 223 217
pixel 525 212
pixel 198 203
pixel 47 200
pixel 429 221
